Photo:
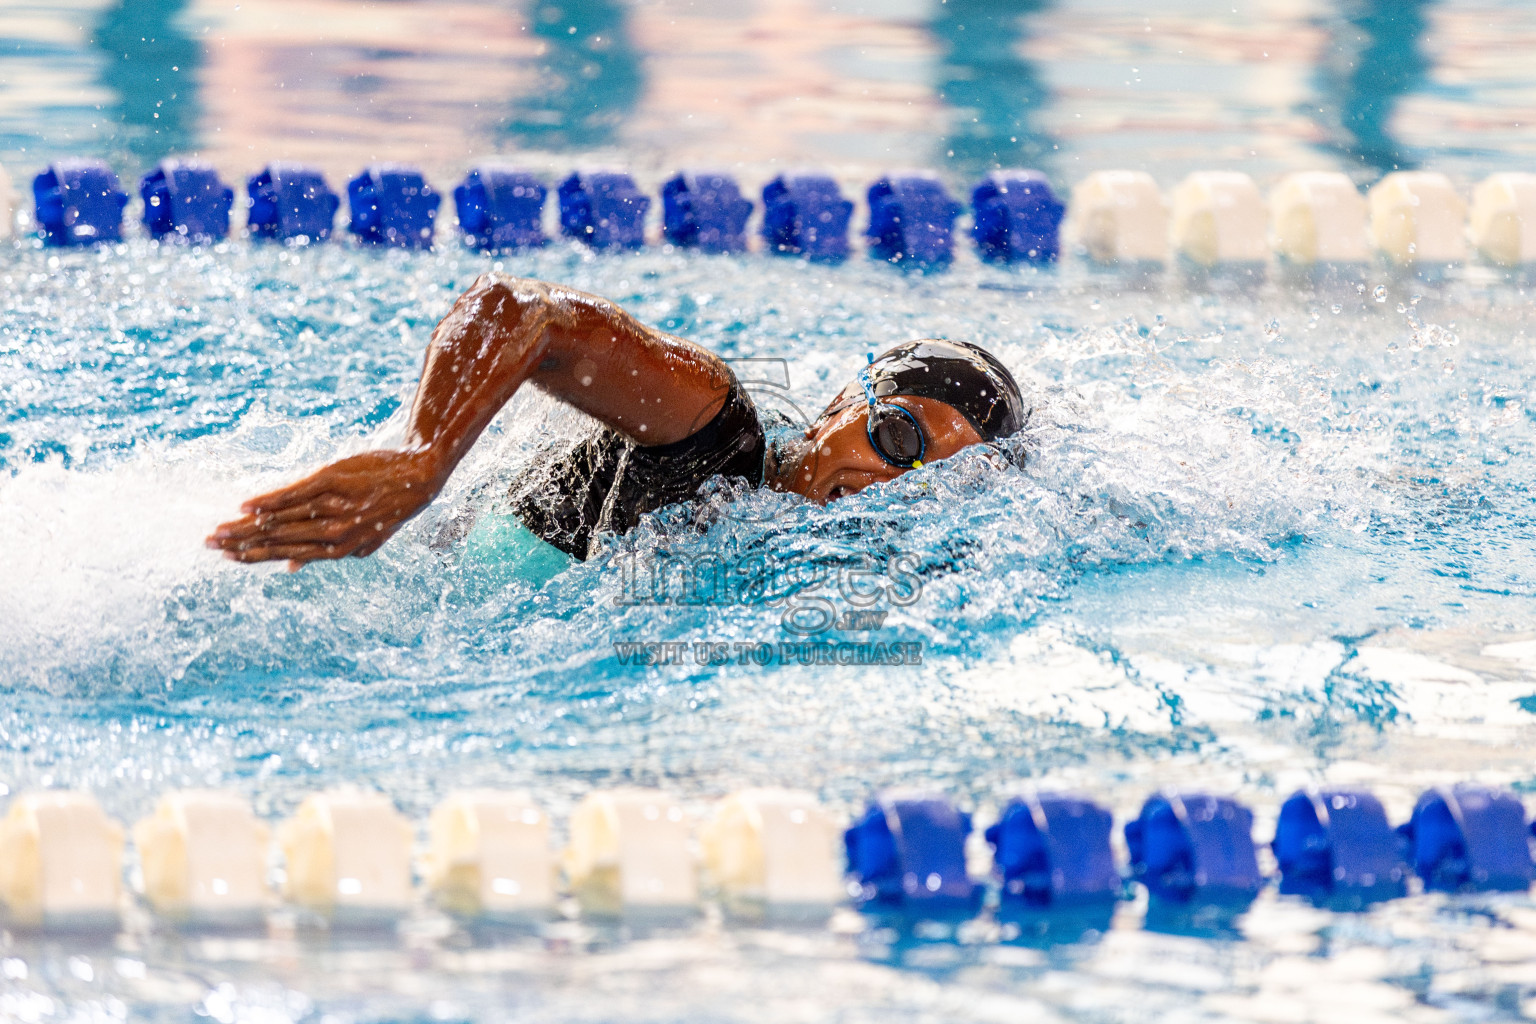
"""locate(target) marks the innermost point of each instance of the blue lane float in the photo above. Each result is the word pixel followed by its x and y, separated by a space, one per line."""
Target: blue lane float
pixel 1194 848
pixel 911 220
pixel 79 202
pixel 705 210
pixel 1053 851
pixel 907 854
pixel 604 209
pixel 806 215
pixel 392 205
pixel 1468 837
pixel 1336 845
pixel 185 200
pixel 290 201
pixel 1017 218
pixel 501 208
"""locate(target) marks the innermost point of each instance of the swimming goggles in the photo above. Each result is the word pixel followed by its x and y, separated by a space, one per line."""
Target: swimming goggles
pixel 893 431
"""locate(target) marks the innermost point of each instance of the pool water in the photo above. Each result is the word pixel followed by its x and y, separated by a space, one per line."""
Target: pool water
pixel 1267 531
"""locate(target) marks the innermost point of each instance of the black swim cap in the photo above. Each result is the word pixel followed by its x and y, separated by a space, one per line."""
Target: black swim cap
pixel 957 373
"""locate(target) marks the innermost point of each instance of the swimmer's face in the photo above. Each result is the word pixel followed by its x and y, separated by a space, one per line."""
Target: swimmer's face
pixel 837 459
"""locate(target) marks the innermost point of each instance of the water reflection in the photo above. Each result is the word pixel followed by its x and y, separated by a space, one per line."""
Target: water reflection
pixel 589 76
pixel 151 67
pixel 1372 59
pixel 996 95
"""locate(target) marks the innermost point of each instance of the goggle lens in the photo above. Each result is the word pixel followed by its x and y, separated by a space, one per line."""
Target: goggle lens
pixel 893 431
pixel 895 435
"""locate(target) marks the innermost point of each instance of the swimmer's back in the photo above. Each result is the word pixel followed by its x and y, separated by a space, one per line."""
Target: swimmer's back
pixel 606 482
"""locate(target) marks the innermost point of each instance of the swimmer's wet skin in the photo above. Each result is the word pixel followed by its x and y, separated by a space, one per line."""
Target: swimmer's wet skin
pixel 673 416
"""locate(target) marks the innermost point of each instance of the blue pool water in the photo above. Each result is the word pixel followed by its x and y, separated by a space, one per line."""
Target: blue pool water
pixel 1266 532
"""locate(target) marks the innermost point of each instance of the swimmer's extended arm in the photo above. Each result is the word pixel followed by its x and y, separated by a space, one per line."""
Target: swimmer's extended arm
pixel 500 334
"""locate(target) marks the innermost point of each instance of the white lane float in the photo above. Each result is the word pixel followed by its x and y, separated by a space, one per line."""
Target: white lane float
pixel 203 855
pixel 1120 217
pixel 490 855
pixel 630 853
pixel 1417 217
pixel 61 861
pixel 348 856
pixel 775 848
pixel 1503 219
pixel 1318 217
pixel 1219 218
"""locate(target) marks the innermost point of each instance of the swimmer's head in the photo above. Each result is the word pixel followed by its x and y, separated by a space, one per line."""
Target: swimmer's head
pixel 957 373
pixel 914 404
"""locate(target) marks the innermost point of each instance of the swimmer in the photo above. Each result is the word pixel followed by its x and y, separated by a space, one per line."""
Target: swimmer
pixel 673 415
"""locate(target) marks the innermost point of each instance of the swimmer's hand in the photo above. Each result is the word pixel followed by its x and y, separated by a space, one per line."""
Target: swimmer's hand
pixel 350 507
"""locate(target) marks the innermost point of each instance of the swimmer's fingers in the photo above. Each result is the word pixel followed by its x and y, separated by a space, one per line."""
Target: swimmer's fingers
pixel 326 506
pixel 307 531
pixel 351 478
pixel 253 532
pixel 244 532
pixel 300 553
pixel 310 487
pixel 235 531
pixel 323 512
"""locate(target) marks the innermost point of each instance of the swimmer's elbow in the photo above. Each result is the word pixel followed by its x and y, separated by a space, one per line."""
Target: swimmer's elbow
pixel 499 290
pixel 515 306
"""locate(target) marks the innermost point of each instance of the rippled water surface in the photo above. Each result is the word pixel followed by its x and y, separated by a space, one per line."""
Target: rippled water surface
pixel 1267 531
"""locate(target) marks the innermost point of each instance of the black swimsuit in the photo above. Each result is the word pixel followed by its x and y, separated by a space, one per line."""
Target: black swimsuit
pixel 605 483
